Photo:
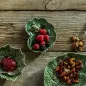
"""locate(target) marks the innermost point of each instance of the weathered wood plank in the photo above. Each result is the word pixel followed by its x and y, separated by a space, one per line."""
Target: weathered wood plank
pixel 66 5
pixel 23 4
pixel 12 27
pixel 34 71
pixel 43 4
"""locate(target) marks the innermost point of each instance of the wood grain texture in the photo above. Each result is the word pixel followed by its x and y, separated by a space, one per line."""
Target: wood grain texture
pixel 66 5
pixel 67 24
pixel 42 4
pixel 23 4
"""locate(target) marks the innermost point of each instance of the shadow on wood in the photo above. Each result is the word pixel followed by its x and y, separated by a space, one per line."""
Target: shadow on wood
pixel 30 56
pixel 2 82
pixel 24 38
pixel 35 80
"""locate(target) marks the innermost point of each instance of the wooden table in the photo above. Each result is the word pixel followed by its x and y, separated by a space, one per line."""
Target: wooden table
pixel 68 17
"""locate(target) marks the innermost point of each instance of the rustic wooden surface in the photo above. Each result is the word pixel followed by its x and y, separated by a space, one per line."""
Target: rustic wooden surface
pixel 42 4
pixel 14 14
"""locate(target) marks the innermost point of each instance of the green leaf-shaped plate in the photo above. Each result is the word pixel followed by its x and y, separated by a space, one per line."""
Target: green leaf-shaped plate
pixel 35 24
pixel 18 56
pixel 50 78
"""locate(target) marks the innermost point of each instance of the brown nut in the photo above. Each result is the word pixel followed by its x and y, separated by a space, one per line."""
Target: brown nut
pixel 72 60
pixel 57 68
pixel 74 38
pixel 63 74
pixel 69 67
pixel 79 62
pixel 62 67
pixel 73 45
pixel 65 78
pixel 78 67
pixel 73 70
pixel 65 63
pixel 71 75
pixel 80 48
pixel 81 43
pixel 75 80
pixel 68 81
pixel 77 44
pixel 73 64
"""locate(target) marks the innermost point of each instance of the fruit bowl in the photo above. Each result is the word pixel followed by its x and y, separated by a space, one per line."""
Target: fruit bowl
pixel 50 77
pixel 12 63
pixel 42 35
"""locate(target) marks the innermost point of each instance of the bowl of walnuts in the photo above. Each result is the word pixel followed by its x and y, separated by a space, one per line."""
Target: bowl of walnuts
pixel 66 70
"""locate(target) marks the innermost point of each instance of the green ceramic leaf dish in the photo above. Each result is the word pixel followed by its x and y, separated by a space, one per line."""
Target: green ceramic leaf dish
pixel 16 55
pixel 33 26
pixel 50 78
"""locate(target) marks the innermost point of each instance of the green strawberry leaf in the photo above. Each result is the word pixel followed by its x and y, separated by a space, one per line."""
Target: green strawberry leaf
pixel 32 28
pixel 18 56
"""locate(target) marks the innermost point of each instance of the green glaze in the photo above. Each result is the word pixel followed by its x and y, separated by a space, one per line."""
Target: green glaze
pixel 32 28
pixel 18 56
pixel 50 78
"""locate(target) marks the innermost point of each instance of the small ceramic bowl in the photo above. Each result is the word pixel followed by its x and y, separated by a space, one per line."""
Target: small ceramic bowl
pixel 17 56
pixel 32 28
pixel 50 78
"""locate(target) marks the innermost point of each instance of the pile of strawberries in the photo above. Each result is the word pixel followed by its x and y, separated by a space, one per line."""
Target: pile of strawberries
pixel 41 40
pixel 8 64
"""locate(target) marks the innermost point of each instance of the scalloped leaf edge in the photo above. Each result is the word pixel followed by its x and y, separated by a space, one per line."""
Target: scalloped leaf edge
pixel 64 54
pixel 30 34
pixel 24 65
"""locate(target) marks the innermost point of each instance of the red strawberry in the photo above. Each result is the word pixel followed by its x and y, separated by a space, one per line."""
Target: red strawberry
pixel 46 38
pixel 8 64
pixel 40 38
pixel 36 46
pixel 42 43
pixel 43 31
